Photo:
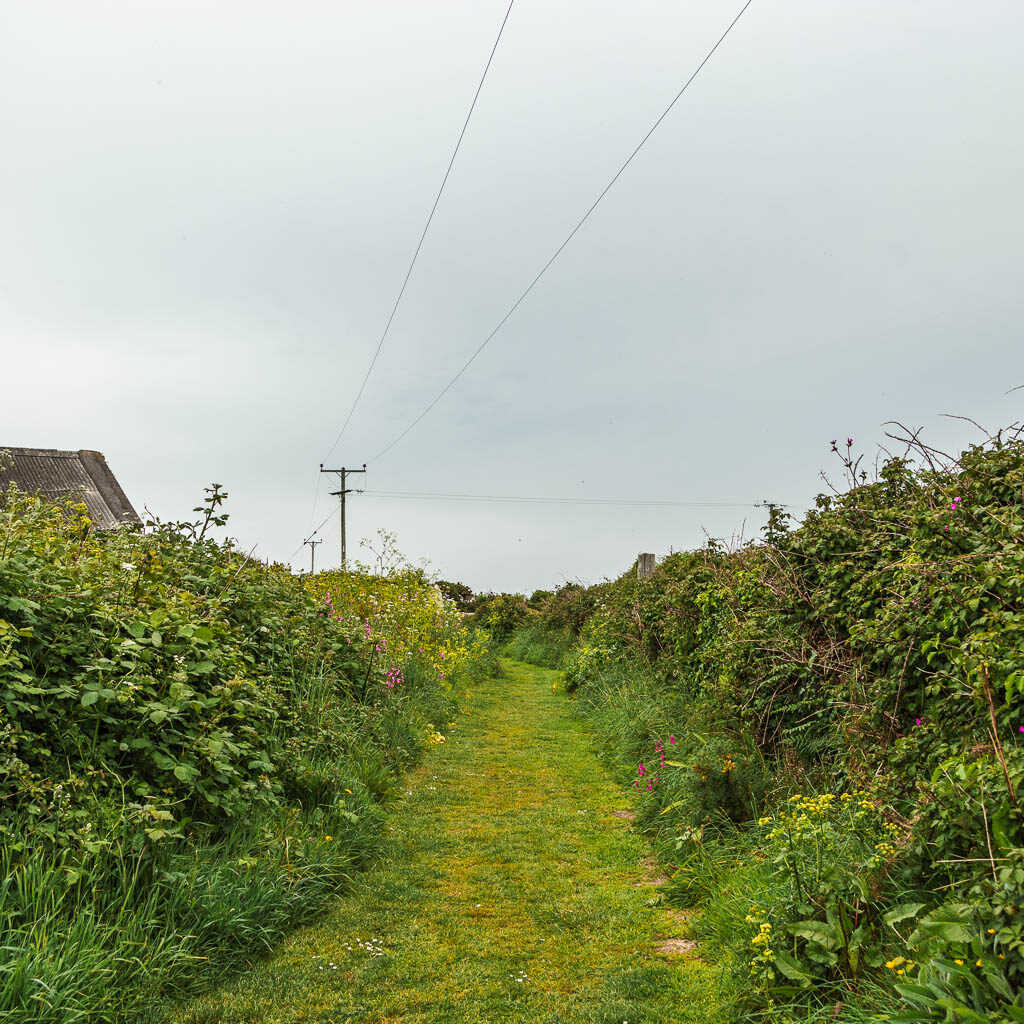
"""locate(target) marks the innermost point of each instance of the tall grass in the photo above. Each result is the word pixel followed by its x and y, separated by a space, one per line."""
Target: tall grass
pixel 538 644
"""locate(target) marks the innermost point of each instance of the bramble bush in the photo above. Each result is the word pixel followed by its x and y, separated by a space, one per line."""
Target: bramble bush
pixel 502 614
pixel 878 646
pixel 194 748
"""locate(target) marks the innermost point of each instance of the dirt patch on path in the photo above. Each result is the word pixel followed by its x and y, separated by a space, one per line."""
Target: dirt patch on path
pixel 676 947
pixel 651 873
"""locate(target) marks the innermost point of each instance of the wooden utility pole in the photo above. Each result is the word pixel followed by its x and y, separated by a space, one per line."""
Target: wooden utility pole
pixel 312 553
pixel 342 474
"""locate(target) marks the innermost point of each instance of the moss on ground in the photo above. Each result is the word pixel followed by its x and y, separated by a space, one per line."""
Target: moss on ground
pixel 511 892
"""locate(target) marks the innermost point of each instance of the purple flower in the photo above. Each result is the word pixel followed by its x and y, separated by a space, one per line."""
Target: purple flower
pixel 917 721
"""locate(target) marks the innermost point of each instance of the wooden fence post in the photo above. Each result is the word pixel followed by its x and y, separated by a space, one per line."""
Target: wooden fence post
pixel 644 565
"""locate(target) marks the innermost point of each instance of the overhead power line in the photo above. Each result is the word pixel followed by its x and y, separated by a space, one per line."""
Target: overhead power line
pixel 547 500
pixel 568 238
pixel 419 245
pixel 654 503
pixel 334 511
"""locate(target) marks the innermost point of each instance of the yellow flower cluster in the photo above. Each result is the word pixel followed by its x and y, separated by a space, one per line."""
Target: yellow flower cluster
pixel 761 941
pixel 728 764
pixel 433 736
pixel 811 815
pixel 407 617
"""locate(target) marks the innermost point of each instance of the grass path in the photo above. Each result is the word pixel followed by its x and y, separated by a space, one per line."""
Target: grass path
pixel 512 892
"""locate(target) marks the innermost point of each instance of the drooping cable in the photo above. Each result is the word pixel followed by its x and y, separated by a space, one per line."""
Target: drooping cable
pixel 423 235
pixel 640 502
pixel 567 240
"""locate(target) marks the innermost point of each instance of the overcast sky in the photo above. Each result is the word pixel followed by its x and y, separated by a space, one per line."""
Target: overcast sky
pixel 207 209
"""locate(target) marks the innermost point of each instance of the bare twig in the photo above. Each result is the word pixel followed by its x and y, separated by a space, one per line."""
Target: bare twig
pixel 996 742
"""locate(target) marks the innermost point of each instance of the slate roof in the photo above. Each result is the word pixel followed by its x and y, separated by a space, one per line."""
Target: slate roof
pixel 55 474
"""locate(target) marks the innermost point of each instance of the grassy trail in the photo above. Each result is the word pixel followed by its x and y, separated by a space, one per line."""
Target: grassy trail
pixel 512 892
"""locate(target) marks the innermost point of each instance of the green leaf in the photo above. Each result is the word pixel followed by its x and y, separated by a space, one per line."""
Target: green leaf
pixel 792 969
pixel 816 931
pixel 89 698
pixel 137 630
pixel 998 982
pixel 948 923
pixel 902 913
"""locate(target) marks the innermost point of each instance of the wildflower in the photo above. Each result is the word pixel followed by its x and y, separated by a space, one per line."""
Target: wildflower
pixel 960 962
pixel 327 839
pixel 917 721
pixel 672 739
pixel 991 931
pixel 978 963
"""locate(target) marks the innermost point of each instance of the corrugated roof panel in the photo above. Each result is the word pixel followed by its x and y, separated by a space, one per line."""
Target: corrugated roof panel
pixel 57 474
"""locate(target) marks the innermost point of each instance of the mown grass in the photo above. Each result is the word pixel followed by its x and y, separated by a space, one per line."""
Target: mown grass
pixel 510 891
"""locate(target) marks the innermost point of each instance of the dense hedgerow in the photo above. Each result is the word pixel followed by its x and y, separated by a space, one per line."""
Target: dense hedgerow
pixel 872 657
pixel 194 748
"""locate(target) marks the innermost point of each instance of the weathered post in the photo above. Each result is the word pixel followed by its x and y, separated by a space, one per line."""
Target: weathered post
pixel 644 565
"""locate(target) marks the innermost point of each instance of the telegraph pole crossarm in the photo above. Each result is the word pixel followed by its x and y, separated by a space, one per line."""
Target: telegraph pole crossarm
pixel 312 552
pixel 340 493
